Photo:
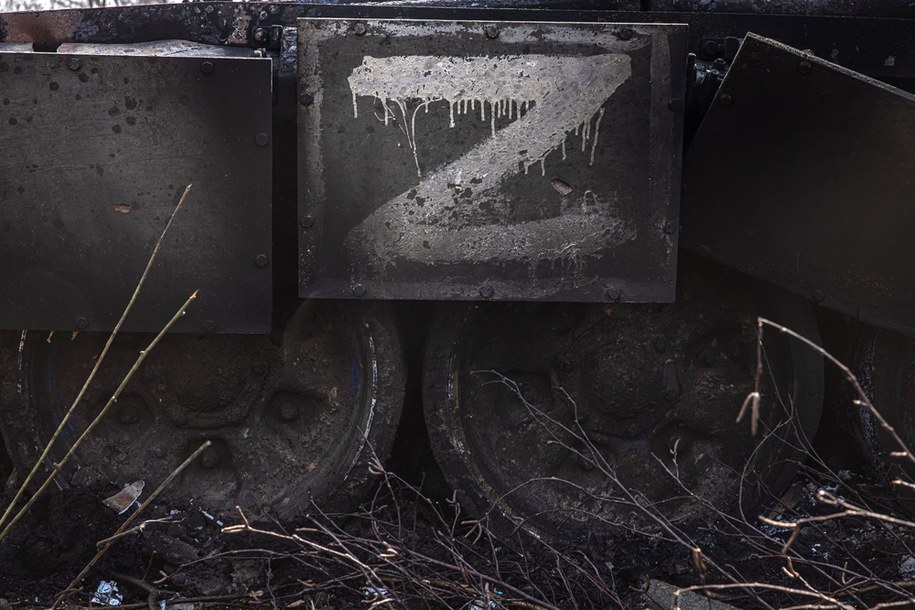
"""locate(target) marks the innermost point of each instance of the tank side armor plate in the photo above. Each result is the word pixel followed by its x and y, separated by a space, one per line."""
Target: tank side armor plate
pixel 802 174
pixel 489 160
pixel 96 148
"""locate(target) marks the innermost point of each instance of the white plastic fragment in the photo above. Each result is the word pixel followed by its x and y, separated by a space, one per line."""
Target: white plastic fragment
pixel 211 517
pixel 374 592
pixel 107 594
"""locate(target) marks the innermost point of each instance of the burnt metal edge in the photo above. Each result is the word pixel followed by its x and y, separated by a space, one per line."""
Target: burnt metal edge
pixel 862 43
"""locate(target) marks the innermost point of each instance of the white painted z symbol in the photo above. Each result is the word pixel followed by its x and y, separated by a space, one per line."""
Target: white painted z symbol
pixel 552 99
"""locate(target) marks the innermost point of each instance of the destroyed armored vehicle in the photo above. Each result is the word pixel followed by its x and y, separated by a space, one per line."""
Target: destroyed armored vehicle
pixel 555 223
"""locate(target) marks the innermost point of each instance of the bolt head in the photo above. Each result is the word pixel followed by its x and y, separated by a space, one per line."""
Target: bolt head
pixel 358 290
pixel 624 34
pixel 491 31
pixel 288 411
pixel 359 29
pixel 725 100
pixel 210 458
pixel 128 415
pixel 261 260
pixel 614 294
pixel 74 63
pixel 207 67
pixel 804 66
pixel 82 323
pixel 708 357
pixel 487 292
pixel 209 326
pixel 262 139
pixel 261 36
pixel 307 222
pixel 306 99
pixel 675 104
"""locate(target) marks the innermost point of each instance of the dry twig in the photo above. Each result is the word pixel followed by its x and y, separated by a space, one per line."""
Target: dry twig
pixel 98 363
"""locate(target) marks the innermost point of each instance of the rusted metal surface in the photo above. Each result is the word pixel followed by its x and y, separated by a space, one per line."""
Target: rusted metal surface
pixel 863 43
pixel 220 22
pixel 157 48
pixel 430 154
pixel 15 47
pixel 95 150
pixel 802 173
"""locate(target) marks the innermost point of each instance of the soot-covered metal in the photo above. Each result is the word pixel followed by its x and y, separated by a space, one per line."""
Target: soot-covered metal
pixel 97 149
pixel 802 174
pixel 489 160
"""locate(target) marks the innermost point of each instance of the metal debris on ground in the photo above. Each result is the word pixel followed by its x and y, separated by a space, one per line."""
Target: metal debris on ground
pixel 376 593
pixel 107 594
pixel 211 517
pixel 125 498
pixel 907 566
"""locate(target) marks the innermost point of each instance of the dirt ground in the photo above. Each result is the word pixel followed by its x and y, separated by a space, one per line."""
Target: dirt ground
pixel 407 550
pixel 183 555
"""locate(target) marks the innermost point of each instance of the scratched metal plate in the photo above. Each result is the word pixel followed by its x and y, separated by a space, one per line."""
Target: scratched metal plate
pixel 803 174
pixel 468 160
pixel 94 151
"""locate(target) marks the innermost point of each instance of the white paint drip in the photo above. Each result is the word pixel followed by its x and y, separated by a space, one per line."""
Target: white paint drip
pixel 511 86
pixel 549 98
pixel 600 115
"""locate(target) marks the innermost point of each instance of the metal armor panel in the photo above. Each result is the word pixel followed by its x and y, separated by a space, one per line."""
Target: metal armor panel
pixel 803 174
pixel 467 160
pixel 95 151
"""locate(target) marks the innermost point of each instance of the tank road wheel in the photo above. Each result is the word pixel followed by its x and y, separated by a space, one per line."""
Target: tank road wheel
pixel 292 416
pixel 884 363
pixel 655 389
